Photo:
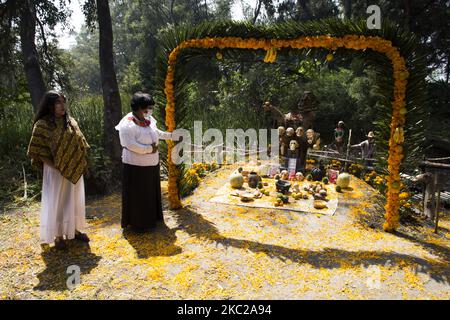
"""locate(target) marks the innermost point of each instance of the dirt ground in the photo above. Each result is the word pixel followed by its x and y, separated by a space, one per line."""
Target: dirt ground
pixel 213 251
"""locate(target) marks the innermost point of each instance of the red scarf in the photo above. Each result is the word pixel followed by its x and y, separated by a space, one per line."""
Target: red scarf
pixel 141 123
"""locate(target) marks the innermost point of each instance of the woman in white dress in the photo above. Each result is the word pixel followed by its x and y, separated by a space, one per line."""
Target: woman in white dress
pixel 141 188
pixel 58 149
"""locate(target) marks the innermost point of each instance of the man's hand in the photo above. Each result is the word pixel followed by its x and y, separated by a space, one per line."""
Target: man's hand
pixel 154 148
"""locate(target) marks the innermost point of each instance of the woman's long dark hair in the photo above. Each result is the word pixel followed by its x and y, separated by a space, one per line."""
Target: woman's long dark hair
pixel 46 108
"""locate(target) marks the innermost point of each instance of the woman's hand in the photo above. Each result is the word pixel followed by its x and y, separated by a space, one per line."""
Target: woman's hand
pixel 176 137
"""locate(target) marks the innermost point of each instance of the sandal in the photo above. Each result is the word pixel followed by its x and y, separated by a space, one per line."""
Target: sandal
pixel 82 237
pixel 60 244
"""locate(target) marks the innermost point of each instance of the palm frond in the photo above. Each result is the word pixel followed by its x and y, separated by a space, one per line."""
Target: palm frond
pixel 416 96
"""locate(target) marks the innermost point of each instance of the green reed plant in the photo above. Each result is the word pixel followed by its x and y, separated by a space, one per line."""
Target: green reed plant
pixel 16 124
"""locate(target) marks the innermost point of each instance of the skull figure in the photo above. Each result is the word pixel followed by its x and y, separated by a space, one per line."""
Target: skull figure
pixel 300 132
pixel 284 175
pixel 310 135
pixel 281 131
pixel 299 176
pixel 293 145
pixel 290 132
pixel 313 139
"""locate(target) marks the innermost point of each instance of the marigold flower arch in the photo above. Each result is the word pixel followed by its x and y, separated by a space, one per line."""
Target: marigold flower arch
pixel 355 42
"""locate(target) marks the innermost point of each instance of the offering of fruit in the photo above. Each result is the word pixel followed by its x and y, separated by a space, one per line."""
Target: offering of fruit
pixel 309 177
pixel 318 196
pixel 338 189
pixel 325 180
pixel 260 185
pixel 278 203
pixel 318 204
pixel 283 198
pixel 297 196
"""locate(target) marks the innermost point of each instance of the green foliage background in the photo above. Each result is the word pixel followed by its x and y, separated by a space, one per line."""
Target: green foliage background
pixel 342 97
pixel 226 93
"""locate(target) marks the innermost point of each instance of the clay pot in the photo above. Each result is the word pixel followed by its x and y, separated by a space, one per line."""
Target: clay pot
pixel 283 186
pixel 253 179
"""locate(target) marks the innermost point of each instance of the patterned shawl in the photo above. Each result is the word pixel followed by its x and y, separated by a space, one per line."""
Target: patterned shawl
pixel 67 148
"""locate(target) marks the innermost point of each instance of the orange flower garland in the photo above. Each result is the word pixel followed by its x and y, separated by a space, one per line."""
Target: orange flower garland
pixel 354 42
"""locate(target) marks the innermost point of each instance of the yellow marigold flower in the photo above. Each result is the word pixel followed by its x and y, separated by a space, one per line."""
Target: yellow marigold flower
pixel 404 195
pixel 191 172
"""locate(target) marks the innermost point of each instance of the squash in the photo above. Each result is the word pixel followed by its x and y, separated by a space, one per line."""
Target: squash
pixel 236 181
pixel 343 180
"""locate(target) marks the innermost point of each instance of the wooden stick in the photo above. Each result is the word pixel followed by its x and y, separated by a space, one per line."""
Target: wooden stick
pixel 436 165
pixel 437 159
pixel 348 145
pixel 25 184
pixel 424 201
pixel 437 207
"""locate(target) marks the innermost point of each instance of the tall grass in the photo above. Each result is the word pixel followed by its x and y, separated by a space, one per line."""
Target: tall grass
pixel 16 123
pixel 88 112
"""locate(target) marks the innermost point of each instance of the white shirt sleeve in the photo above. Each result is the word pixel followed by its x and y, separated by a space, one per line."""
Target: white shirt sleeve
pixel 128 140
pixel 162 135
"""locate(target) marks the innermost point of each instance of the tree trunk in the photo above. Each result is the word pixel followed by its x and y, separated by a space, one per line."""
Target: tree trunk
pixel 407 8
pixel 347 8
pixel 430 198
pixel 172 16
pixel 35 80
pixel 111 96
pixel 304 8
pixel 257 11
pixel 448 69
